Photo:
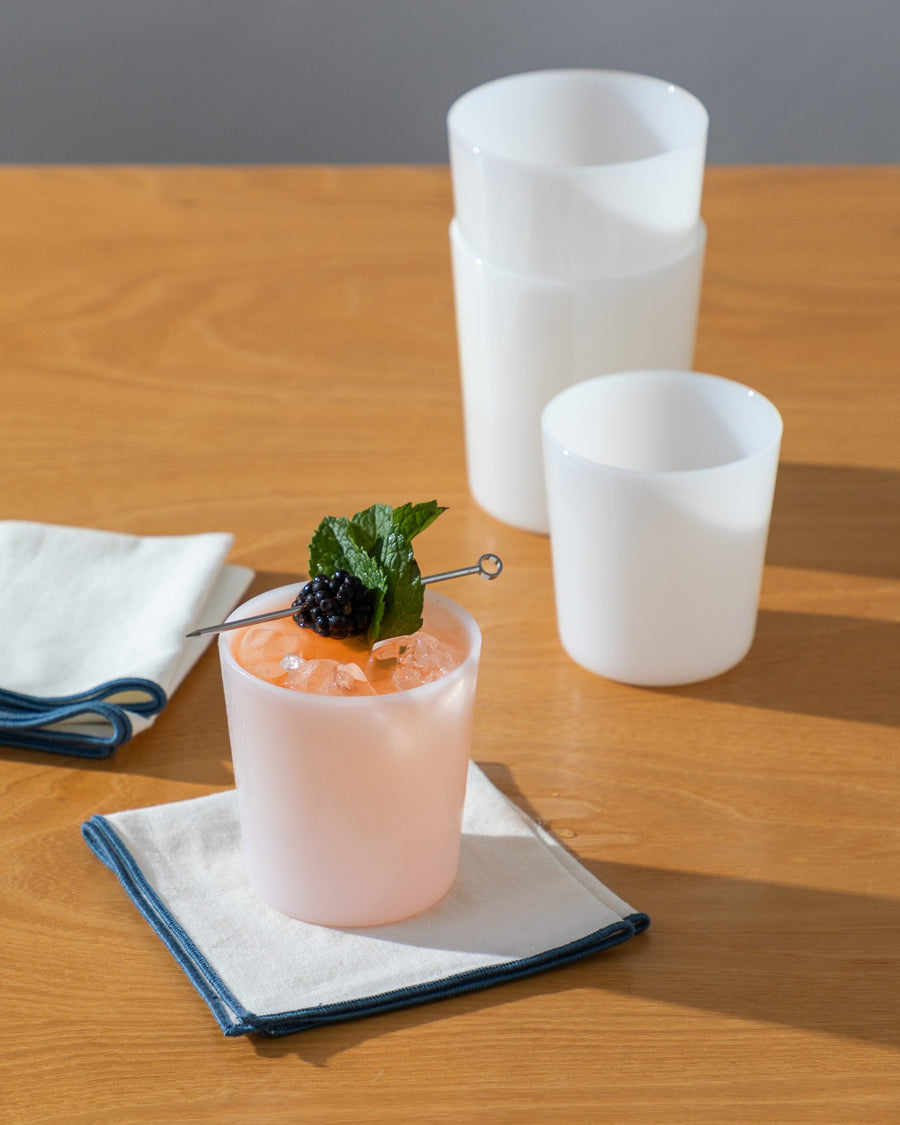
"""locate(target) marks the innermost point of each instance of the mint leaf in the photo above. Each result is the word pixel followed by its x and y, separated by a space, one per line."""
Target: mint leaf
pixel 376 546
pixel 327 549
pixel 406 595
pixel 390 545
pixel 373 525
pixel 410 519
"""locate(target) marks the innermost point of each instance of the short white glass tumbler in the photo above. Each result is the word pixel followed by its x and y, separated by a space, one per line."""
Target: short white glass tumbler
pixel 660 488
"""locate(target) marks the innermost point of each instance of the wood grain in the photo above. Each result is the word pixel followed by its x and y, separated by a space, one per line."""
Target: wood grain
pixel 189 349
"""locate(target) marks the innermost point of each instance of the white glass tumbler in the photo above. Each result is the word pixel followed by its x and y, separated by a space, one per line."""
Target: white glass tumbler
pixel 660 487
pixel 351 807
pixel 522 339
pixel 577 173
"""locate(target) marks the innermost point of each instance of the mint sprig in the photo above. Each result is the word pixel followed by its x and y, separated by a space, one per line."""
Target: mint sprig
pixel 376 545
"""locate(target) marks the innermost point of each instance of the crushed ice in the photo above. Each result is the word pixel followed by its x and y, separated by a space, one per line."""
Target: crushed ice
pixel 393 665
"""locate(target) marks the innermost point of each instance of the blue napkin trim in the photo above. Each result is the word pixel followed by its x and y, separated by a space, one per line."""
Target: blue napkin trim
pixel 24 719
pixel 235 1020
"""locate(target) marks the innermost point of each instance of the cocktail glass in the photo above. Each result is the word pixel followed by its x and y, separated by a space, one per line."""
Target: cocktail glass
pixel 351 807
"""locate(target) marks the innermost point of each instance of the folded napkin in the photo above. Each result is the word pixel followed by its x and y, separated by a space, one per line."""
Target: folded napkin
pixel 93 626
pixel 520 904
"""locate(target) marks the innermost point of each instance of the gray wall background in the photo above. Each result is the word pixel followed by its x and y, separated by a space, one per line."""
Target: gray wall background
pixel 350 81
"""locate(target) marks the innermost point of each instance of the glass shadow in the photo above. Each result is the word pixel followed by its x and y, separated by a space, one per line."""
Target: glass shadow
pixel 836 518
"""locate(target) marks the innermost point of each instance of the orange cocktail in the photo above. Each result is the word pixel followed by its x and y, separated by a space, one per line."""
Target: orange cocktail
pixel 301 660
pixel 350 762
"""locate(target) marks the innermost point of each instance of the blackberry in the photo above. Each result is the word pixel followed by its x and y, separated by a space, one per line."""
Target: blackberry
pixel 339 606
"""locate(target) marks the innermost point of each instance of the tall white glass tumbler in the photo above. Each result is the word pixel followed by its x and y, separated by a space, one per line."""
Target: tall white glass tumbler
pixel 577 174
pixel 522 339
pixel 660 488
pixel 351 808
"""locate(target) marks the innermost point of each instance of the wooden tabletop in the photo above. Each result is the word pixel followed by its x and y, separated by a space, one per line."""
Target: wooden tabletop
pixel 246 350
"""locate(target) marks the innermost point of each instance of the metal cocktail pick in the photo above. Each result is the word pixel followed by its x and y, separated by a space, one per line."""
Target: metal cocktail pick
pixel 488 566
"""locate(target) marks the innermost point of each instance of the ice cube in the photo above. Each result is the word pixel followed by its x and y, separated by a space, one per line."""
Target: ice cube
pixel 408 662
pixel 326 677
pixel 261 649
pixel 312 676
pixel 350 679
pixel 382 663
pixel 426 658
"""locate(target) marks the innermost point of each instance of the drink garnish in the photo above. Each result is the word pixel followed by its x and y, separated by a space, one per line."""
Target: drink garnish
pixel 375 546
pixel 356 600
pixel 339 606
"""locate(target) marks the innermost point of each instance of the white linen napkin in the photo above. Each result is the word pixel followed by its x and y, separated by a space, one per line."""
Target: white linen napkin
pixel 520 904
pixel 93 626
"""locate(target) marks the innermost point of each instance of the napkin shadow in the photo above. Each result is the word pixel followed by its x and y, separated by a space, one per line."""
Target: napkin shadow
pixel 815 664
pixel 836 518
pixel 318 1046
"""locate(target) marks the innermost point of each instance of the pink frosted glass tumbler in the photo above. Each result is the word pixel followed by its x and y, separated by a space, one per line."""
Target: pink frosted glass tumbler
pixel 351 808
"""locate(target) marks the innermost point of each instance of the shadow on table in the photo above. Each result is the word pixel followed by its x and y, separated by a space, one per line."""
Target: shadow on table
pixel 827 518
pixel 820 961
pixel 836 518
pixel 817 960
pixel 814 664
pixel 814 960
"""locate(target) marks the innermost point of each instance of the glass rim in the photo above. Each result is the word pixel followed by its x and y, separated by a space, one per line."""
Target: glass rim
pixel 571 168
pixel 558 446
